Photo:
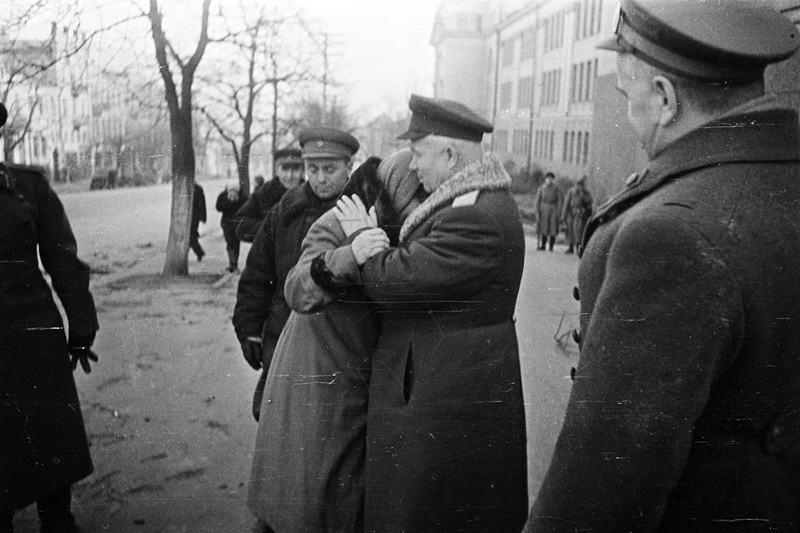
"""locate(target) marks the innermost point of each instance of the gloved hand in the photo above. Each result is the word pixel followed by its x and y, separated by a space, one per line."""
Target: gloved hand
pixel 84 354
pixel 251 349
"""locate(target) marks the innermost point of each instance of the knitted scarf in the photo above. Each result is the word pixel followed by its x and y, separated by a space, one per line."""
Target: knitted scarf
pixel 486 175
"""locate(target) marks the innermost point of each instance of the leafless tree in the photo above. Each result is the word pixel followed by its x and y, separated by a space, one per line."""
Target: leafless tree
pixel 181 131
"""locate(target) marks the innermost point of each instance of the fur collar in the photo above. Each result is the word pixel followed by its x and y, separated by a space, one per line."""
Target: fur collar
pixel 486 175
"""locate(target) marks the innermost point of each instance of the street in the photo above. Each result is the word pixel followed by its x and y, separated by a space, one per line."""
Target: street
pixel 167 408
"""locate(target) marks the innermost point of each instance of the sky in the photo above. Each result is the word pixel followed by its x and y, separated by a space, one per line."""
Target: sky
pixel 381 52
pixel 385 51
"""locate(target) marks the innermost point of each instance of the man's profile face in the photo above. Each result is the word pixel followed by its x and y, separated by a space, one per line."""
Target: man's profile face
pixel 635 83
pixel 430 160
pixel 289 173
pixel 327 177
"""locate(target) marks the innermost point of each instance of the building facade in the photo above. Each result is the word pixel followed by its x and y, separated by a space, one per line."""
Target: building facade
pixel 533 70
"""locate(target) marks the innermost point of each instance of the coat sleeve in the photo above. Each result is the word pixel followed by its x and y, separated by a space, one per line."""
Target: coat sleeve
pixel 666 321
pixel 324 237
pixel 248 219
pixel 258 283
pixel 462 252
pixel 59 254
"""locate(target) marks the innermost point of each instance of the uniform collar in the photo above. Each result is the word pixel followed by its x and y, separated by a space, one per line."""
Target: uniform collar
pixel 7 179
pixel 758 131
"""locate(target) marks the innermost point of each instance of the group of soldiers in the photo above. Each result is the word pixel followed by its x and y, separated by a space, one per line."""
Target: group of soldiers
pixel 379 305
pixel 550 208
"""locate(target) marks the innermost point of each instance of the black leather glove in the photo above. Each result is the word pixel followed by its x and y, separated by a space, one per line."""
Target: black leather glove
pixel 251 349
pixel 84 354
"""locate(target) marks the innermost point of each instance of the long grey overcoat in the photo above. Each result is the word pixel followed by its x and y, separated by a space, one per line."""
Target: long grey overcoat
pixel 685 411
pixel 446 429
pixel 43 446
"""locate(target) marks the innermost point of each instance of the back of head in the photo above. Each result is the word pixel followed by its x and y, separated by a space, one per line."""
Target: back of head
pixel 401 182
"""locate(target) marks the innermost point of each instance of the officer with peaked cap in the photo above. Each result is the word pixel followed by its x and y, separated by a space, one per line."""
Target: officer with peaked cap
pixel 261 310
pixel 446 429
pixel 288 173
pixel 685 407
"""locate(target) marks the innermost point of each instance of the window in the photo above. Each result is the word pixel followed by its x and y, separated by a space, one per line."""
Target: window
pixel 578 147
pixel 524 93
pixel 501 141
pixel 505 96
pixel 507 52
pixel 520 141
pixel 571 146
pixel 552 138
pixel 527 44
pixel 586 148
pixel 566 142
pixel 572 93
pixel 580 82
pixel 588 86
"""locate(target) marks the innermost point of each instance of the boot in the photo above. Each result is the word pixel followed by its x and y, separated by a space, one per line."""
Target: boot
pixel 7 522
pixel 59 524
pixel 542 239
pixel 570 250
pixel 552 242
pixel 54 513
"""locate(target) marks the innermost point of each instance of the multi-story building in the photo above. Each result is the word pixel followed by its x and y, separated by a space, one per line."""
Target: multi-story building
pixel 533 70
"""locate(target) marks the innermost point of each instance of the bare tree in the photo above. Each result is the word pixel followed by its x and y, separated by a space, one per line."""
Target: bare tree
pixel 268 52
pixel 180 118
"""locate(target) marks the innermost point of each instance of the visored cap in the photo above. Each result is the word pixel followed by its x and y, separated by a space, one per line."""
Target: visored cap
pixel 711 40
pixel 446 118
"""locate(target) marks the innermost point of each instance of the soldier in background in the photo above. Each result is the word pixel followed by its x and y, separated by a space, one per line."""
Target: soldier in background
pixel 577 210
pixel 198 215
pixel 229 202
pixel 685 411
pixel 547 208
pixel 288 170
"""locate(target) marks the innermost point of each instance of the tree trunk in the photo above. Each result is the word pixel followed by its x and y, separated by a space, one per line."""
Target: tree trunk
pixel 244 166
pixel 177 261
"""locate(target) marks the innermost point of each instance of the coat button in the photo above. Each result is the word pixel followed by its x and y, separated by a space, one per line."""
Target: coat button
pixel 576 294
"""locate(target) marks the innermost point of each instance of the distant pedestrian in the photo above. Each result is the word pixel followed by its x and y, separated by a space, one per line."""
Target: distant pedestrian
pixel 258 182
pixel 229 202
pixel 577 210
pixel 547 207
pixel 198 216
pixel 289 171
pixel 43 444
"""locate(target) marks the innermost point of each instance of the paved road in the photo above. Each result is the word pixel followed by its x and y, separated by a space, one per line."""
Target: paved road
pixel 168 407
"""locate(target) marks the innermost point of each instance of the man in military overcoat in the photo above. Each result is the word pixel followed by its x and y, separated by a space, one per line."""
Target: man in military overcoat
pixel 446 440
pixel 685 409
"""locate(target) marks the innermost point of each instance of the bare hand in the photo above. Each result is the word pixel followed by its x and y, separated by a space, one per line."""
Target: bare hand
pixel 369 243
pixel 353 216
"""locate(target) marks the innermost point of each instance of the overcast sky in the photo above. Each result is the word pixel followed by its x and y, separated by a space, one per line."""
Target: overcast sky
pixel 385 51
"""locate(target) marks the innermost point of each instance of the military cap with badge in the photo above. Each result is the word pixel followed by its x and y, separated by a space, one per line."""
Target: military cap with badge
pixel 709 41
pixel 321 142
pixel 444 118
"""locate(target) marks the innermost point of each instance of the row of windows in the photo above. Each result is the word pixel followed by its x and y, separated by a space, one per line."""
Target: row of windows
pixel 576 147
pixel 589 20
pixel 583 75
pixel 554 32
pixel 520 142
pixel 543 144
pixel 551 85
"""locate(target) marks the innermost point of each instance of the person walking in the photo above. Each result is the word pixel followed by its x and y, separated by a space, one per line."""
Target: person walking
pixel 261 311
pixel 43 444
pixel 547 207
pixel 684 412
pixel 288 168
pixel 577 210
pixel 229 202
pixel 198 215
pixel 446 442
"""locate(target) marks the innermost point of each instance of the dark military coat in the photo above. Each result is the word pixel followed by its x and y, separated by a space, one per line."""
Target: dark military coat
pixel 684 411
pixel 250 216
pixel 43 444
pixel 446 429
pixel 261 309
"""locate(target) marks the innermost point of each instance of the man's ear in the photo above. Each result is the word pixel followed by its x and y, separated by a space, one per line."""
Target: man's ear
pixel 452 156
pixel 668 100
pixel 350 165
